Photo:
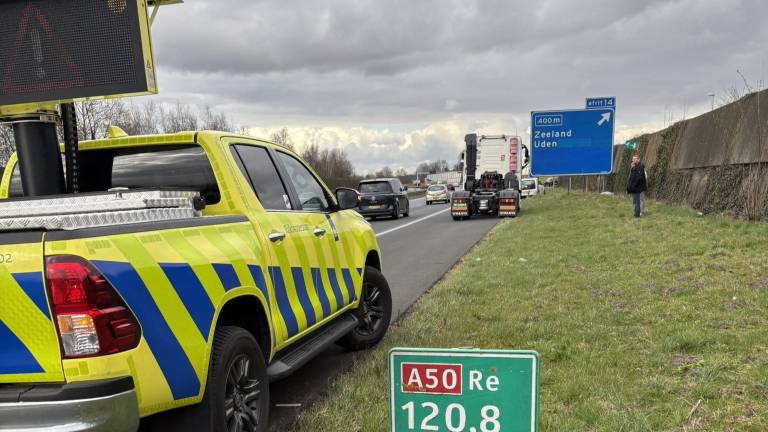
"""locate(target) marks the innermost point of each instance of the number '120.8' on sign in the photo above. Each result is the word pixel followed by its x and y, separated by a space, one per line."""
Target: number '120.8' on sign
pixel 463 390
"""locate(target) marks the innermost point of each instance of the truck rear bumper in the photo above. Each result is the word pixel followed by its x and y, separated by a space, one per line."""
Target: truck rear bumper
pixel 108 405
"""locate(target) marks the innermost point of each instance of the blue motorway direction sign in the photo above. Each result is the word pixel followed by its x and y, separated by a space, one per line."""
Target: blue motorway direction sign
pixel 575 142
pixel 601 102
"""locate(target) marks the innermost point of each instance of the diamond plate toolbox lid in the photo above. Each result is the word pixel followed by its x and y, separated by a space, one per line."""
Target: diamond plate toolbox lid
pixel 100 209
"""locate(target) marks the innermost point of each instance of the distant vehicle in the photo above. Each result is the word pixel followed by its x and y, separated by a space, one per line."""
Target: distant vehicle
pixel 383 197
pixel 499 160
pixel 530 187
pixel 439 192
pixel 551 181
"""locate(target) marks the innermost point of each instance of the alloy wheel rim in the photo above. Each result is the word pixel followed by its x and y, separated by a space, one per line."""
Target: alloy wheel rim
pixel 372 310
pixel 242 401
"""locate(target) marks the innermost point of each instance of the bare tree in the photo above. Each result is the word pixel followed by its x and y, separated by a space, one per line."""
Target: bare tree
pixel 179 118
pixel 433 167
pixel 282 138
pixel 332 165
pixel 384 172
pixel 210 120
pixel 93 118
pixel 142 119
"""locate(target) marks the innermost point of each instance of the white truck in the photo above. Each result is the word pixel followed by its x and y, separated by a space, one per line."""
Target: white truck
pixel 499 160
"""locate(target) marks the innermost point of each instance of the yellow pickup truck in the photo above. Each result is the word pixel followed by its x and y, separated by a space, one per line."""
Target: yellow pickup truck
pixel 190 271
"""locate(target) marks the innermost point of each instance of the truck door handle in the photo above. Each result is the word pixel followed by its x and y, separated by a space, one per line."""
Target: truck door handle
pixel 276 237
pixel 319 232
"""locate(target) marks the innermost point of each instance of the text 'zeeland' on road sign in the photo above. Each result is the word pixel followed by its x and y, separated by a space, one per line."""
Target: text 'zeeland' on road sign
pixel 572 142
pixel 463 390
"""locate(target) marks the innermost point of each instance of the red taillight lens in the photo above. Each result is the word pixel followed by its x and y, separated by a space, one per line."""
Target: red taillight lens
pixel 92 318
pixel 507 200
pixel 459 201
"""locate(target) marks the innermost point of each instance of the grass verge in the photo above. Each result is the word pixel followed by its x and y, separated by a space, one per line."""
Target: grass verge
pixel 656 324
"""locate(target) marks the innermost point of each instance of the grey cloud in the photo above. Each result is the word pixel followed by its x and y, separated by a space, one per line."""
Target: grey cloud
pixel 392 62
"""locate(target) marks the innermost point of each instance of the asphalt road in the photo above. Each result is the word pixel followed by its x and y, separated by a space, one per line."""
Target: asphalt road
pixel 416 252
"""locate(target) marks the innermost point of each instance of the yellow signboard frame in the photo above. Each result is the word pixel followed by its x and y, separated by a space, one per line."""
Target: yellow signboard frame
pixel 7 111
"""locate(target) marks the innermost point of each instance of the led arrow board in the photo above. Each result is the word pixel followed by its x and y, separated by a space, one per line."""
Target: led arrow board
pixel 571 143
pixel 54 51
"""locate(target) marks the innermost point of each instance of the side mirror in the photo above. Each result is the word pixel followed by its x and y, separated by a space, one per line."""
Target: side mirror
pixel 405 188
pixel 451 187
pixel 347 198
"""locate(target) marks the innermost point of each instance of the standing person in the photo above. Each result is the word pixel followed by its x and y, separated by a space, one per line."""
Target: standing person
pixel 636 183
pixel 642 194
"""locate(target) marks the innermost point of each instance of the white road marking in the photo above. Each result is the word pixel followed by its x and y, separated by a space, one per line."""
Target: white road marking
pixel 413 222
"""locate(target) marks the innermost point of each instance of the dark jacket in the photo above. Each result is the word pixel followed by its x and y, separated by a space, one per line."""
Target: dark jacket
pixel 636 182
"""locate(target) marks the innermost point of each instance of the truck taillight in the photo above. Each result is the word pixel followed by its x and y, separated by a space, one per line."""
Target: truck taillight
pixel 459 201
pixel 91 317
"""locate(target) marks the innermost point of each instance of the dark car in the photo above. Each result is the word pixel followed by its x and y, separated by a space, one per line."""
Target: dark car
pixel 383 197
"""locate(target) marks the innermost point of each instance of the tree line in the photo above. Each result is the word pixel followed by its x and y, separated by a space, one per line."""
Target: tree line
pixel 149 118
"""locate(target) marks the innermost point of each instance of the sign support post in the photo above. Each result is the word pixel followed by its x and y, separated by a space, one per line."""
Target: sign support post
pixel 38 151
pixel 71 152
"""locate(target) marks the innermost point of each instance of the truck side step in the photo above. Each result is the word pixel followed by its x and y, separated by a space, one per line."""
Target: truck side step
pixel 297 356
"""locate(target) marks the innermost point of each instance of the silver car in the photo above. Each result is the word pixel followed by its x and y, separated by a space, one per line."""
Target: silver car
pixel 438 192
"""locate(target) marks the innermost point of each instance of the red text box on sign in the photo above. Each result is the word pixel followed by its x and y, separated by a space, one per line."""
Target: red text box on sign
pixel 431 378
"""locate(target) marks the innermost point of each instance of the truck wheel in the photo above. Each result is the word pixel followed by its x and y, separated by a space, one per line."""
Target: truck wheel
pixel 396 212
pixel 457 218
pixel 237 393
pixel 407 210
pixel 374 312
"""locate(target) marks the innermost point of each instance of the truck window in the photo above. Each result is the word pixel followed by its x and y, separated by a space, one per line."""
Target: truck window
pixel 184 167
pixel 375 187
pixel 529 184
pixel 311 194
pixel 258 168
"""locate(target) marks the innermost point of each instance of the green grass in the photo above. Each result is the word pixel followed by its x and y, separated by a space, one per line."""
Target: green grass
pixel 657 324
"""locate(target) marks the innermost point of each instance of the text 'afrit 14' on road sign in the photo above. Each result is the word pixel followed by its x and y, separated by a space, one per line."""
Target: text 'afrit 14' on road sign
pixel 572 142
pixel 601 102
pixel 463 390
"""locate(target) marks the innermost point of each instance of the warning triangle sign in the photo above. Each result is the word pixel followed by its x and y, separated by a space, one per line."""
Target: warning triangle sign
pixel 39 61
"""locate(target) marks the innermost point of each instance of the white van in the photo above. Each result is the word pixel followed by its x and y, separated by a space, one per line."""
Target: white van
pixel 530 187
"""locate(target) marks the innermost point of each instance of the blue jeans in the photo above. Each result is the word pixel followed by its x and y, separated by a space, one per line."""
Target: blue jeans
pixel 636 202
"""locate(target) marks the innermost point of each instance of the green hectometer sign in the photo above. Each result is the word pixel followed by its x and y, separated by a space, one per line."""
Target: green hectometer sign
pixel 463 390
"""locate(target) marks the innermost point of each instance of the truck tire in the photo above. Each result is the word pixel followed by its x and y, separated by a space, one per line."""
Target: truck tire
pixel 396 212
pixel 407 210
pixel 374 312
pixel 236 357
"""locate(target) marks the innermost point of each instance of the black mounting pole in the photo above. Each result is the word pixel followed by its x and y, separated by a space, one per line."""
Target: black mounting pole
pixel 71 152
pixel 39 158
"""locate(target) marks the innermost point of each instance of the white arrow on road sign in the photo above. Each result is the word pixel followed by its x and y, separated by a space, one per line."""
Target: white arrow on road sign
pixel 605 118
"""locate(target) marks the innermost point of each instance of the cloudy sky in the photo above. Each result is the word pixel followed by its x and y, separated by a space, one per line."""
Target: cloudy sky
pixel 397 82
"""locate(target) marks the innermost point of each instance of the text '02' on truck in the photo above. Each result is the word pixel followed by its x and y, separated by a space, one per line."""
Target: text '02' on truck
pixel 190 271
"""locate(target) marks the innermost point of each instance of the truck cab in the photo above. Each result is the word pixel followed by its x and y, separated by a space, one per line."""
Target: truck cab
pixel 492 169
